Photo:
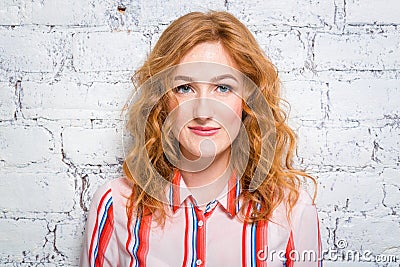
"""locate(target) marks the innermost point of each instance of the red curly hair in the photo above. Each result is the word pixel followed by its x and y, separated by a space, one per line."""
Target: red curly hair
pixel 281 181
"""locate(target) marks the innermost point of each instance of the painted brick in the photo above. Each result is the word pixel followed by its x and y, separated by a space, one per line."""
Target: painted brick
pixel 364 99
pixel 68 236
pixel 335 193
pixel 21 145
pixel 361 234
pixel 349 147
pixel 286 50
pixel 391 198
pixel 391 176
pixel 68 100
pixel 7 104
pixel 32 51
pixel 369 11
pixel 19 236
pixel 47 12
pixel 357 51
pixel 92 146
pixel 10 12
pixel 163 12
pixel 103 51
pixel 41 192
pixel 304 98
pixel 386 145
pixel 294 12
pixel 72 12
pixel 311 145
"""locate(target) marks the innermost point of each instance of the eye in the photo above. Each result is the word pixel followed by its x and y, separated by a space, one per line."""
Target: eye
pixel 183 89
pixel 224 88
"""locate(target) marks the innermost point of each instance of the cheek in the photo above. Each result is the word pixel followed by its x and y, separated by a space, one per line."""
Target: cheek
pixel 232 119
pixel 179 118
pixel 175 116
pixel 236 114
pixel 238 108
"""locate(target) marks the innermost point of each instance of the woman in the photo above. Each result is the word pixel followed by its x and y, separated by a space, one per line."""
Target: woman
pixel 209 179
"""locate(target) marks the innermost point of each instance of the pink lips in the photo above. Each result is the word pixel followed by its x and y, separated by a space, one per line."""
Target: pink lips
pixel 204 131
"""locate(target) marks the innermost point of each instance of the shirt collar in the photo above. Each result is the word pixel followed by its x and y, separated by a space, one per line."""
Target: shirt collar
pixel 178 192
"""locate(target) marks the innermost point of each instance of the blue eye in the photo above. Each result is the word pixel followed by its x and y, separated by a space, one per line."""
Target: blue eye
pixel 183 89
pixel 223 88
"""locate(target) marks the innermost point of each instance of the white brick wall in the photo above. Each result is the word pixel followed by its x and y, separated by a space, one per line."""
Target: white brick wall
pixel 108 51
pixel 65 71
pixel 370 11
pixel 377 51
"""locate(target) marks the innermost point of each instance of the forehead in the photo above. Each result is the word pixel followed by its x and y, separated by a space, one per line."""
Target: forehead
pixel 205 72
pixel 212 52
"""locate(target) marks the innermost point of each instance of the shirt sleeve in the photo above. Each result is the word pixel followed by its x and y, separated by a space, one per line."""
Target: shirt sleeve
pixel 98 248
pixel 304 245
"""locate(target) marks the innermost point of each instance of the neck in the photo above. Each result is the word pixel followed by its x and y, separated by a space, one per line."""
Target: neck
pixel 207 183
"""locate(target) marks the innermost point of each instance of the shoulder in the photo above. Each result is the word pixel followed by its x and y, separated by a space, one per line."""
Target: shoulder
pixel 304 208
pixel 305 198
pixel 115 191
pixel 304 213
pixel 117 186
pixel 304 202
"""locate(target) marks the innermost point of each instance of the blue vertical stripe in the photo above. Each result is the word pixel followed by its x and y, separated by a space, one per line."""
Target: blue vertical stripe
pixel 137 241
pixel 171 196
pixel 237 195
pixel 253 244
pixel 194 236
pixel 101 225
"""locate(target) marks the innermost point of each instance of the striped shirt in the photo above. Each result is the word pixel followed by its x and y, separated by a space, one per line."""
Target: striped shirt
pixel 214 236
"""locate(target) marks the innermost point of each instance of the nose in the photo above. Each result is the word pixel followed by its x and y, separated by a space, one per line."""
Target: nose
pixel 203 106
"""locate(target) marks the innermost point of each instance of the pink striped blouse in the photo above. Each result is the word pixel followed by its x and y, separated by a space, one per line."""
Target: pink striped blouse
pixel 213 236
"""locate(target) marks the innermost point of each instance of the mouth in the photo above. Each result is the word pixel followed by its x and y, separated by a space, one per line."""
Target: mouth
pixel 204 131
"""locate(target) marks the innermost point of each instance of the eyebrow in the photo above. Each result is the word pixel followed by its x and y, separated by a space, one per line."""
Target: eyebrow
pixel 215 79
pixel 223 77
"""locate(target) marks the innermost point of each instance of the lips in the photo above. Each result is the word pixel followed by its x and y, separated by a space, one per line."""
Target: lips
pixel 204 131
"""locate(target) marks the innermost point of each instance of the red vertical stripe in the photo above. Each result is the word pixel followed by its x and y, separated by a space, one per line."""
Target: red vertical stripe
pixel 144 232
pixel 128 241
pixel 201 245
pixel 261 242
pixel 244 236
pixel 105 237
pixel 97 222
pixel 289 248
pixel 186 238
pixel 232 194
pixel 175 190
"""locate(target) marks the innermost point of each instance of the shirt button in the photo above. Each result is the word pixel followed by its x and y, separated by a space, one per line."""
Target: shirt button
pixel 200 224
pixel 199 262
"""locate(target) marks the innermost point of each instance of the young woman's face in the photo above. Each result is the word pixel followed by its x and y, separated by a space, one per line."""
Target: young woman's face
pixel 208 110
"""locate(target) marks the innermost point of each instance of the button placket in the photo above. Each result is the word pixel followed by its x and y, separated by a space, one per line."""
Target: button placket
pixel 201 237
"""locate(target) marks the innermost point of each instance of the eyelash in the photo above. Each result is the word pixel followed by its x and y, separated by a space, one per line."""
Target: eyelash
pixel 184 86
pixel 225 87
pixel 187 86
